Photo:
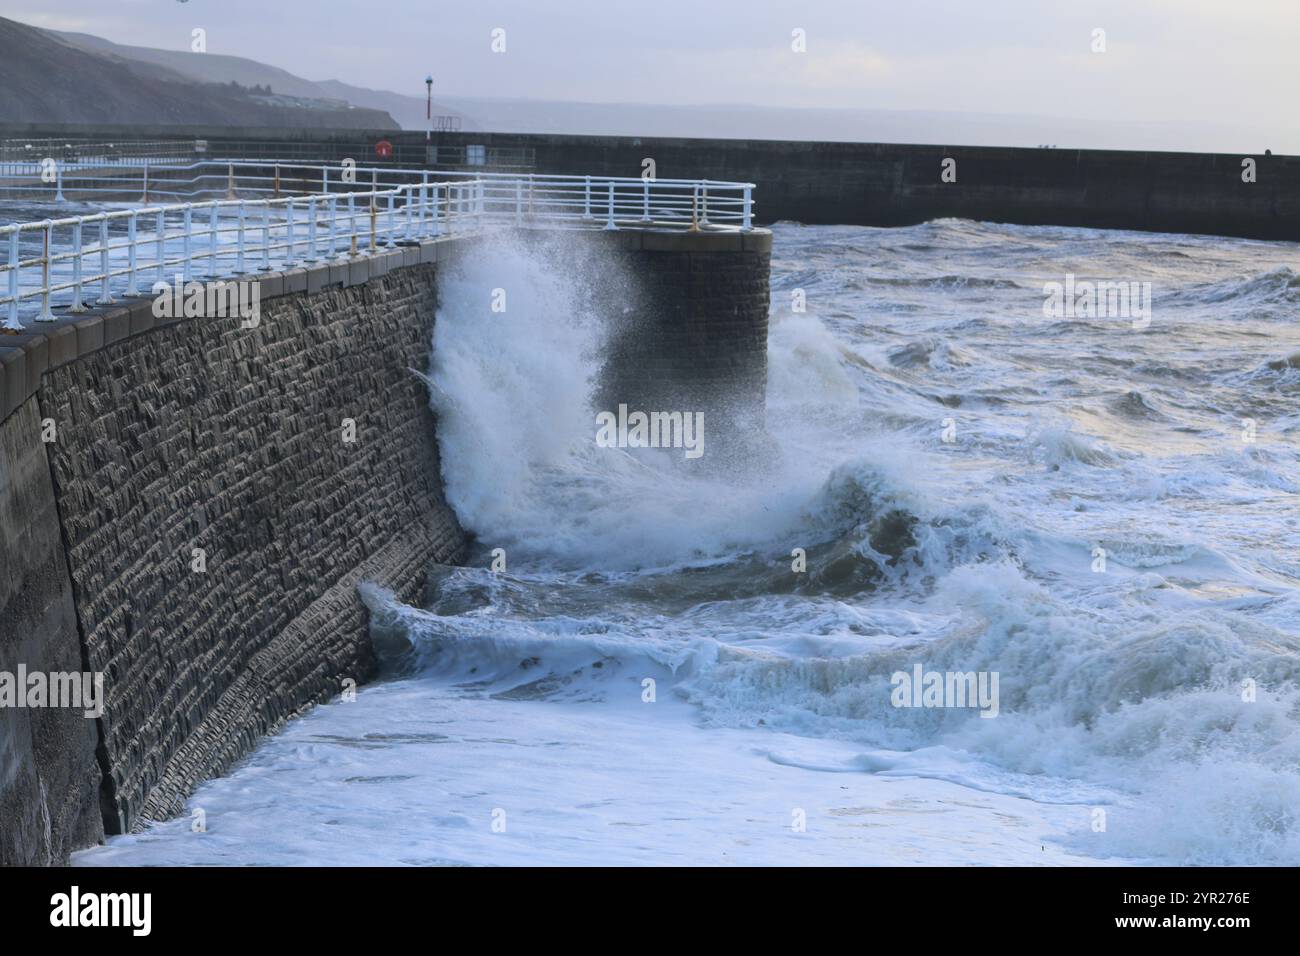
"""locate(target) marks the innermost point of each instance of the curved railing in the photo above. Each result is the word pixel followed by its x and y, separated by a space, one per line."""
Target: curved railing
pixel 246 215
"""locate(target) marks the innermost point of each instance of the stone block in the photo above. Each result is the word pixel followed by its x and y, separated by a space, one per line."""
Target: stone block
pixel 270 285
pixel 142 317
pixel 318 277
pixel 90 334
pixel 63 342
pixel 117 324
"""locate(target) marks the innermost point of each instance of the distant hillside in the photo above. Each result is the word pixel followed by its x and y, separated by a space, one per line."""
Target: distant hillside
pixel 408 111
pixel 200 67
pixel 47 79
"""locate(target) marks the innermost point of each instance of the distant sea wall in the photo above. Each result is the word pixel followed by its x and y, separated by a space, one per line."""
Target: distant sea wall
pixel 867 184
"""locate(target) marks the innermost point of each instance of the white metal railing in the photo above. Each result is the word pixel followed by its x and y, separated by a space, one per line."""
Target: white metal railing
pixel 268 215
pixel 20 157
pixel 133 247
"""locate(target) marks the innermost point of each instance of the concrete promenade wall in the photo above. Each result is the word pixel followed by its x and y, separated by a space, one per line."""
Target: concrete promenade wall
pixel 874 184
pixel 129 443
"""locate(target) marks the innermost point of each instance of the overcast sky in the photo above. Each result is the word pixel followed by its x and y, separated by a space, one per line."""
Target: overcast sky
pixel 1190 60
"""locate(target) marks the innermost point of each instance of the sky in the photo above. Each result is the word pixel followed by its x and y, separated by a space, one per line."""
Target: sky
pixel 1165 60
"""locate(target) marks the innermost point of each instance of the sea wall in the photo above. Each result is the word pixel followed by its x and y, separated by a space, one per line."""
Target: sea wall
pixel 195 528
pixel 883 184
pixel 188 505
pixel 867 184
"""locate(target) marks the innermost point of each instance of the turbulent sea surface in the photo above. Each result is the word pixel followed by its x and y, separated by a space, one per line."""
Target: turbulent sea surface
pixel 1070 503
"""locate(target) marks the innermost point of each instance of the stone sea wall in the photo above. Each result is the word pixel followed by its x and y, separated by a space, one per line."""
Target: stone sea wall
pixel 188 505
pixel 187 508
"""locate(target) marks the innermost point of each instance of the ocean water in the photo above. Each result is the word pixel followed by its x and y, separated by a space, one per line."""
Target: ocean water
pixel 1103 513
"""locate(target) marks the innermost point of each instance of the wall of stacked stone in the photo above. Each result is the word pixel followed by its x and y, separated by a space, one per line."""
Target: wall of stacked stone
pixel 199 436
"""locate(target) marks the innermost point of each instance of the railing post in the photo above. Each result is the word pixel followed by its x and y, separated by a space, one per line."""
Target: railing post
pixel 311 230
pixel 230 181
pixel 424 199
pixel 290 235
pixel 187 266
pixel 162 244
pixel 519 202
pixel 435 221
pixel 132 259
pixel 352 224
pixel 609 223
pixel 392 220
pixel 77 304
pixel 334 227
pixel 645 211
pixel 266 236
pixel 410 194
pixel 46 315
pixel 586 197
pixel 239 252
pixel 12 322
pixel 144 188
pixel 105 294
pixel 704 205
pixel 58 182
pixel 213 219
pixel 374 237
pixel 277 180
pixel 749 204
pixel 325 179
